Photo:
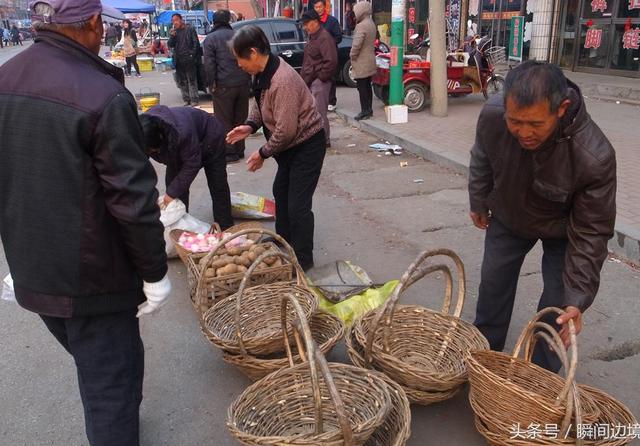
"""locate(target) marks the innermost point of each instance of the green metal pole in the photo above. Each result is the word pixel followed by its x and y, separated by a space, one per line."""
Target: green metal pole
pixel 396 87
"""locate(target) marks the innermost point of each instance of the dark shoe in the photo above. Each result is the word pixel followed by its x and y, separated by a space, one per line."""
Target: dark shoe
pixel 186 104
pixel 232 158
pixel 365 115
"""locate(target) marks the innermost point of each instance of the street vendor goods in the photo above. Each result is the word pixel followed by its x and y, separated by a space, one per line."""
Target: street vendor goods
pixel 312 404
pixel 507 391
pixel 421 349
pixel 248 322
pixel 327 330
pixel 219 273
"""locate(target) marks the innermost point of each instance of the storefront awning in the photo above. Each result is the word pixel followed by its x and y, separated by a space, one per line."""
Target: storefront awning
pixel 130 6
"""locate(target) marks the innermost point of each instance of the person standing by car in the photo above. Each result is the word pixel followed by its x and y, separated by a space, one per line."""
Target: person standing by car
pixel 16 39
pixel 331 24
pixel 79 218
pixel 363 57
pixel 229 85
pixel 186 48
pixel 186 140
pixel 286 111
pixel 349 18
pixel 319 65
pixel 130 41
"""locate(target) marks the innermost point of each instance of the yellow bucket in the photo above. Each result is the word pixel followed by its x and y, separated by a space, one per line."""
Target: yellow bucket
pixel 147 103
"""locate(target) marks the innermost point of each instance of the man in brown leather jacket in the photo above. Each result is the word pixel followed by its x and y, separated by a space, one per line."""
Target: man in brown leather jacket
pixel 541 169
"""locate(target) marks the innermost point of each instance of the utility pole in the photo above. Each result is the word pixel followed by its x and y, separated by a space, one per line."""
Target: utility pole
pixel 397 111
pixel 437 32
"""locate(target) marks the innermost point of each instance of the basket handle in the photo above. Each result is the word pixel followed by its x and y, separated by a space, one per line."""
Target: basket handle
pixel 316 359
pixel 214 229
pixel 536 329
pixel 407 280
pixel 245 280
pixel 208 259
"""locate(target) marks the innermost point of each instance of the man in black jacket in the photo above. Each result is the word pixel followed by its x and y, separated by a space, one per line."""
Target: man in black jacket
pixel 79 219
pixel 186 140
pixel 331 24
pixel 540 169
pixel 228 83
pixel 186 51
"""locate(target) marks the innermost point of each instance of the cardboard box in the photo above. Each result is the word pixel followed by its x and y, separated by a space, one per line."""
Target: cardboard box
pixel 397 114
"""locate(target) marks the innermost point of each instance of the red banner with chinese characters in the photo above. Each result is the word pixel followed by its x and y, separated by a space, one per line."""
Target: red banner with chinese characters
pixel 593 38
pixel 598 5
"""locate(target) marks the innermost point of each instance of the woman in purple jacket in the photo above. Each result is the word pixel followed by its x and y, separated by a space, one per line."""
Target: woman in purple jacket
pixel 186 139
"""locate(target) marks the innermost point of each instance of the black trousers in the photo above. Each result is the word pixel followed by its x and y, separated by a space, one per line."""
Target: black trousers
pixel 131 60
pixel 298 172
pixel 366 94
pixel 231 105
pixel 187 79
pixel 504 253
pixel 109 357
pixel 215 169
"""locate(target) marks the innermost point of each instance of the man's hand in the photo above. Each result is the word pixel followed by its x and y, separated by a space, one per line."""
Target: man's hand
pixel 480 221
pixel 166 200
pixel 255 161
pixel 570 313
pixel 172 31
pixel 238 134
pixel 156 293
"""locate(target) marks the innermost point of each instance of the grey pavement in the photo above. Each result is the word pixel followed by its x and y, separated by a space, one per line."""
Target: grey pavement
pixel 369 210
pixel 447 141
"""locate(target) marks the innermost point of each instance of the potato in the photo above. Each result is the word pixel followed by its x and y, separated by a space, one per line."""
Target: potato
pixel 242 269
pixel 237 260
pixel 252 256
pixel 231 268
pixel 258 250
pixel 220 272
pixel 234 251
pixel 210 272
pixel 270 260
pixel 278 262
pixel 218 264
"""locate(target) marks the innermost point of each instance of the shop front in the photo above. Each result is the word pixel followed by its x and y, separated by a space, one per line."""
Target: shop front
pixel 601 36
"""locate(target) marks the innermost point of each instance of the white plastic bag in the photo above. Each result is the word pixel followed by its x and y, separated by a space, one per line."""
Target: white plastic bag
pixel 174 216
pixel 7 289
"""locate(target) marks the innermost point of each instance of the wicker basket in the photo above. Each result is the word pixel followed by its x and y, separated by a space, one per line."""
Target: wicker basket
pixel 249 322
pixel 207 289
pixel 508 391
pixel 421 349
pixel 293 406
pixel 326 329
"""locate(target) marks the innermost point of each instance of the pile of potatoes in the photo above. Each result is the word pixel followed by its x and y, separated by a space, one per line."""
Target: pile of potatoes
pixel 238 259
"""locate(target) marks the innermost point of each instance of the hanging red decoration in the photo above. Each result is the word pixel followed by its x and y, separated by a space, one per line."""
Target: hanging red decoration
pixel 631 39
pixel 593 39
pixel 627 25
pixel 589 23
pixel 598 5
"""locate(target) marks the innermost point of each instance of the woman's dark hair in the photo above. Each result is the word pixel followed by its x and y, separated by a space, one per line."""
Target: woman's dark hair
pixel 532 82
pixel 129 31
pixel 249 37
pixel 155 136
pixel 319 1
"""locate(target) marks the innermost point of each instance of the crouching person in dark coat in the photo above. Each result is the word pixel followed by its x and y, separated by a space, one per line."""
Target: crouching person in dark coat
pixel 79 218
pixel 187 139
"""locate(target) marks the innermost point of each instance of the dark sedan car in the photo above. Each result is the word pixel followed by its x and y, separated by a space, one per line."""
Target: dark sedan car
pixel 288 39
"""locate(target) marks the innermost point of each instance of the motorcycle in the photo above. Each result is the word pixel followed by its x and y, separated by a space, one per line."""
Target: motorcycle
pixel 466 74
pixel 418 45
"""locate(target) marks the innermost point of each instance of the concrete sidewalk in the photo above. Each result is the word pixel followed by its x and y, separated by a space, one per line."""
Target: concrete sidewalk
pixel 447 141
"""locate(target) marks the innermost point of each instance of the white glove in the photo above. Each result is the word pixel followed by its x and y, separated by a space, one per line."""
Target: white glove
pixel 156 293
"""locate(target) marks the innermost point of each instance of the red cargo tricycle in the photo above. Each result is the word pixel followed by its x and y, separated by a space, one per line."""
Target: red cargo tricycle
pixel 466 74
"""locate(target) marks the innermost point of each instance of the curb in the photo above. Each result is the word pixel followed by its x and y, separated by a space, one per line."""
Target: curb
pixel 625 242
